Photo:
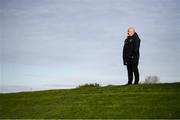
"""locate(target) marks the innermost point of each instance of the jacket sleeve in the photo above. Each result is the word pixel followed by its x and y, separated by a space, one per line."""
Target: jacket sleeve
pixel 136 48
pixel 124 56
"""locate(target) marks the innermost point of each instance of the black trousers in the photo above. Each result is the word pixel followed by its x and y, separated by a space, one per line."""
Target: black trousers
pixel 133 69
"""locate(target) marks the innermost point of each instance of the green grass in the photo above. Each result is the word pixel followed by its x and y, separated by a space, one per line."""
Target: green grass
pixel 134 101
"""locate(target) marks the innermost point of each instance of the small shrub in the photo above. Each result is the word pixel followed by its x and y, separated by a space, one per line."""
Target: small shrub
pixel 151 80
pixel 89 85
pixel 110 85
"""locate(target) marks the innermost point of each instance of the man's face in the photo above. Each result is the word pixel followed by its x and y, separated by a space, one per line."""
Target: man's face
pixel 131 32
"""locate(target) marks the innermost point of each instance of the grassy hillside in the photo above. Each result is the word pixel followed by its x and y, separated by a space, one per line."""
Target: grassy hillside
pixel 135 101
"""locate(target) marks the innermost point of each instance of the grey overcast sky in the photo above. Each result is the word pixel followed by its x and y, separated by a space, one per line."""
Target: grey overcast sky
pixel 66 43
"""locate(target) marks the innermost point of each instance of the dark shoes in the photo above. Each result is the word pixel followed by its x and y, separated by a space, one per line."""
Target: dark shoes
pixel 131 84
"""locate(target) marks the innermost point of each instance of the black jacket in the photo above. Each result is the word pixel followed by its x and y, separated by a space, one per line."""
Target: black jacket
pixel 131 50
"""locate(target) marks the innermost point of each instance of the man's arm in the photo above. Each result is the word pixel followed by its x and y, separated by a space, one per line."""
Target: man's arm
pixel 136 48
pixel 124 57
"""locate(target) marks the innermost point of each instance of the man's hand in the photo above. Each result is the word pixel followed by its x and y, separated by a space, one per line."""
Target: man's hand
pixel 125 63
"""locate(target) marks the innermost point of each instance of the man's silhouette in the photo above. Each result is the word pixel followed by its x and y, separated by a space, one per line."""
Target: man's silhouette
pixel 131 55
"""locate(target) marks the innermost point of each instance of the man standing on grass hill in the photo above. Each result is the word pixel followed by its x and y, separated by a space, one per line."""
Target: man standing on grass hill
pixel 131 55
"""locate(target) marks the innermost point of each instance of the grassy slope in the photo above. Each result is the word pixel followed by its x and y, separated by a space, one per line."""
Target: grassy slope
pixel 135 101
